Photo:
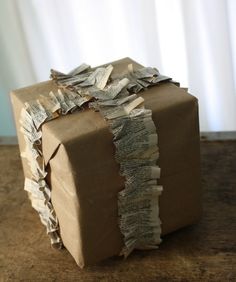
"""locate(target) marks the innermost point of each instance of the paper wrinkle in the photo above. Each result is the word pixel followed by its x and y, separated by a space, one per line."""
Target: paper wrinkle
pixel 134 136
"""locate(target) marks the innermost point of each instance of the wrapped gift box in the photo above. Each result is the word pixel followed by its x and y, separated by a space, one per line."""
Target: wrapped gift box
pixel 84 175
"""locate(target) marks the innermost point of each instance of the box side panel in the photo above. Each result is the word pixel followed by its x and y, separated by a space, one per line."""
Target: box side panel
pixel 98 182
pixel 17 105
pixel 18 98
pixel 65 202
pixel 178 131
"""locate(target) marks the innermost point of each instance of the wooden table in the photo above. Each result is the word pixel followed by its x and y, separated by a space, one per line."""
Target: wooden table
pixel 203 252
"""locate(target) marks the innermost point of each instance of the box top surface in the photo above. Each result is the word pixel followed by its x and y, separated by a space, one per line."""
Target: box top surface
pixel 69 128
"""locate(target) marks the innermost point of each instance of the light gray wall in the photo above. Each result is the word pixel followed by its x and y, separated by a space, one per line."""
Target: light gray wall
pixel 7 127
pixel 15 65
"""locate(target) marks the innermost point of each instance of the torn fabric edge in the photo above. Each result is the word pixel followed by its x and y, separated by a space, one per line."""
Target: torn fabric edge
pixel 134 136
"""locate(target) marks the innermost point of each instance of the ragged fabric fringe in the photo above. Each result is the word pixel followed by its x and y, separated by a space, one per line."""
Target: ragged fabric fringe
pixel 134 136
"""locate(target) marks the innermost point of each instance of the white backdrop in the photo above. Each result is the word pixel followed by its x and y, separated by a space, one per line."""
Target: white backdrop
pixel 193 41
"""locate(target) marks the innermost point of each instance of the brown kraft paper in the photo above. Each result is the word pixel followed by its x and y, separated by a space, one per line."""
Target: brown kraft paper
pixel 84 176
